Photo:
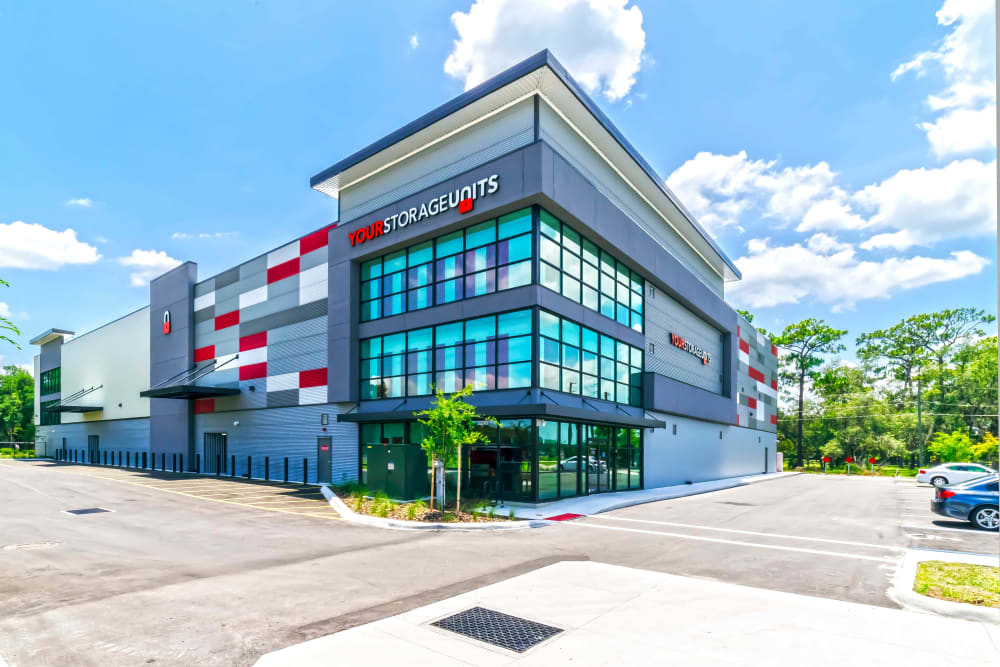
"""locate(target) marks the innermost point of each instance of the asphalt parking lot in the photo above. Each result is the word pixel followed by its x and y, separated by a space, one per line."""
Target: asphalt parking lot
pixel 186 570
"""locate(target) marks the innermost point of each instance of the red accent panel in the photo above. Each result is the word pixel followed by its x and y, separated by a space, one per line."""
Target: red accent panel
pixel 465 205
pixel 253 371
pixel 564 517
pixel 737 419
pixel 227 320
pixel 745 346
pixel 313 378
pixel 774 384
pixel 204 353
pixel 774 349
pixel 737 331
pixel 314 241
pixel 203 405
pixel 283 270
pixel 774 419
pixel 253 341
pixel 756 374
pixel 752 403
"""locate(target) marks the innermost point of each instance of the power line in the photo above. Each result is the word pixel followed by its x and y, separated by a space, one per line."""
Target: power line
pixel 898 414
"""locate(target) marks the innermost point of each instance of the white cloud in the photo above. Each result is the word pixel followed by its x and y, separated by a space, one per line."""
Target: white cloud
pixel 414 41
pixel 966 57
pixel 4 310
pixel 33 246
pixel 830 272
pixel 600 42
pixel 925 206
pixel 185 236
pixel 148 264
pixel 83 201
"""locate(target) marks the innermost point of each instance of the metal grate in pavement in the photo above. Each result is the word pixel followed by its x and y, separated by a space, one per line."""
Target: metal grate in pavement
pixel 89 510
pixel 493 627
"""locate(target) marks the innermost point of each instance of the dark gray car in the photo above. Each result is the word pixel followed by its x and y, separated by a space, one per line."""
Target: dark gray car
pixel 977 500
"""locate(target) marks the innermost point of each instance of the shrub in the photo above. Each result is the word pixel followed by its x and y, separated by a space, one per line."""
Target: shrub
pixel 411 511
pixel 511 514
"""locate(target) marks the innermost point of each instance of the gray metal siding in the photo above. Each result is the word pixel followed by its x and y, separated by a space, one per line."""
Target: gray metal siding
pixel 118 435
pixel 665 315
pixel 282 432
pixel 489 139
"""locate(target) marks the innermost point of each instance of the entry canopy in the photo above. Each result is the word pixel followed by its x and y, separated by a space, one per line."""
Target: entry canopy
pixel 64 405
pixel 184 385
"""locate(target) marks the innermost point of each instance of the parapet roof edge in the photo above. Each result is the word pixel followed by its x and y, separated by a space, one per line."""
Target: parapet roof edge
pixel 49 335
pixel 541 59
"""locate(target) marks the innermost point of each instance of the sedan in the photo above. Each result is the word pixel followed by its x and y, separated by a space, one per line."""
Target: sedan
pixel 953 473
pixel 977 501
pixel 573 464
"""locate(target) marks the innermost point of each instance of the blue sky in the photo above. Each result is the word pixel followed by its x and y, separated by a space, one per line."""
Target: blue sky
pixel 164 131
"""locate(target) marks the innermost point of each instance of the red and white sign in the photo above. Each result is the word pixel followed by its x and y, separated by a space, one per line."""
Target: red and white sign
pixel 166 322
pixel 690 348
pixel 464 199
pixel 826 459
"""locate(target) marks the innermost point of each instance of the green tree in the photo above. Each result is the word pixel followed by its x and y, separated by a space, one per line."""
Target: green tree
pixel 451 424
pixel 7 325
pixel 17 404
pixel 954 446
pixel 746 314
pixel 804 344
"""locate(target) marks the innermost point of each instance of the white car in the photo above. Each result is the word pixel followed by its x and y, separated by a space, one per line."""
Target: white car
pixel 947 474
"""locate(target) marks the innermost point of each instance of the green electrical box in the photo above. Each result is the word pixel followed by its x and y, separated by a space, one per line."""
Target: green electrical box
pixel 399 470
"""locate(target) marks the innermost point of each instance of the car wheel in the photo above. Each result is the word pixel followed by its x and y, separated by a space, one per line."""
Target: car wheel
pixel 938 481
pixel 985 518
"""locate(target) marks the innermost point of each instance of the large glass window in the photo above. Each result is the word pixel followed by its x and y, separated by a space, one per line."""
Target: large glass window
pixel 49 382
pixel 488 257
pixel 48 417
pixel 487 353
pixel 578 360
pixel 579 270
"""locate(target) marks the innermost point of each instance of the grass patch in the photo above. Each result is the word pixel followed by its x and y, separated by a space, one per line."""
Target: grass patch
pixel 959 582
pixel 11 453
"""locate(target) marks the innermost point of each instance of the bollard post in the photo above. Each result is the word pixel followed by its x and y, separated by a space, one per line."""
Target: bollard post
pixel 104 457
pixel 218 465
pixel 197 463
pixel 180 466
pixel 267 470
pixel 305 471
pixel 248 466
pixel 286 470
pixel 128 459
pixel 163 461
pixel 174 461
pixel 232 466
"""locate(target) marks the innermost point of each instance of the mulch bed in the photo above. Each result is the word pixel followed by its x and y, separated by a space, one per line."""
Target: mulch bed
pixel 422 513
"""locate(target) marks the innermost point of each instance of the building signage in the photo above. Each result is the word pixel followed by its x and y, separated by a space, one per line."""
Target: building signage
pixel 166 322
pixel 690 348
pixel 464 199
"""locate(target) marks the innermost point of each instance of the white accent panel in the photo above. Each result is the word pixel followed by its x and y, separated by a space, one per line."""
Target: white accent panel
pixel 744 357
pixel 254 296
pixel 767 390
pixel 314 292
pixel 313 275
pixel 312 395
pixel 282 255
pixel 227 359
pixel 204 301
pixel 761 340
pixel 248 357
pixel 283 382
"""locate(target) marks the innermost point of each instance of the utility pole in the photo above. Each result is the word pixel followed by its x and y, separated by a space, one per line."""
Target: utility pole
pixel 920 430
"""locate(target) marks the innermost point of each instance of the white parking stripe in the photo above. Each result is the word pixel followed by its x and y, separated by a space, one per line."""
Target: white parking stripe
pixel 968 531
pixel 737 542
pixel 751 532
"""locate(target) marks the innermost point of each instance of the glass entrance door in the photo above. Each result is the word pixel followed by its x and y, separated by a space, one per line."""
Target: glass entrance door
pixel 598 448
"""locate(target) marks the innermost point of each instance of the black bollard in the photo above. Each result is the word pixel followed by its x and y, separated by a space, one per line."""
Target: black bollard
pixel 232 465
pixel 163 461
pixel 128 459
pixel 218 465
pixel 180 466
pixel 286 470
pixel 248 466
pixel 197 463
pixel 267 469
pixel 174 461
pixel 305 471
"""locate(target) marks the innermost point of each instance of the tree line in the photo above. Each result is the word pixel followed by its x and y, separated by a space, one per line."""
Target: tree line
pixel 924 389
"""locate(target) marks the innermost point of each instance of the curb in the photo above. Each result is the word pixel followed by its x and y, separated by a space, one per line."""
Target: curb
pixel 901 592
pixel 399 524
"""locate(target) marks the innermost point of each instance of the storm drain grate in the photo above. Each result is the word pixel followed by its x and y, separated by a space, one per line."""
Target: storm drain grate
pixel 89 510
pixel 503 630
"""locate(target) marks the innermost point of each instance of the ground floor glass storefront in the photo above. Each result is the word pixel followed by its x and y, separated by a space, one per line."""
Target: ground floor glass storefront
pixel 533 460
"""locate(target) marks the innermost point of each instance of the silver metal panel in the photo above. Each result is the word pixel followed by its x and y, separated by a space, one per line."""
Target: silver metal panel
pixel 203 288
pixel 274 304
pixel 314 258
pixel 253 267
pixel 294 364
pixel 290 284
pixel 297 330
pixel 295 347
pixel 227 306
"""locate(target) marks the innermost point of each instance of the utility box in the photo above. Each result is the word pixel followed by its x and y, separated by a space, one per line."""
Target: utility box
pixel 399 470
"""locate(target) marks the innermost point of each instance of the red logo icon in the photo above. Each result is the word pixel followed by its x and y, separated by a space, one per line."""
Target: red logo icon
pixel 166 322
pixel 465 205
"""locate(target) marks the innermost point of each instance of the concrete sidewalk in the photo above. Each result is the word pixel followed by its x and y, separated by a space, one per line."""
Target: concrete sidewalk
pixel 613 615
pixel 606 502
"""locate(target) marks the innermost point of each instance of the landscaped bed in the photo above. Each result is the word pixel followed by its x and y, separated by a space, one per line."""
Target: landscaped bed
pixel 363 501
pixel 959 582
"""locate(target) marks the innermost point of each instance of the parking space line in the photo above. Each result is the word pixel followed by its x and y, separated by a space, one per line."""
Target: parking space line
pixel 716 540
pixel 968 531
pixel 752 532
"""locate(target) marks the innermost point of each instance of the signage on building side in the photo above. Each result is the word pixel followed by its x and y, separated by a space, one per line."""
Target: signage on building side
pixel 690 348
pixel 166 322
pixel 464 199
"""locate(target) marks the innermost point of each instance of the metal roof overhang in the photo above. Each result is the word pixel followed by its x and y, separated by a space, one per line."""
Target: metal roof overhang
pixel 49 336
pixel 544 76
pixel 189 392
pixel 531 410
pixel 76 408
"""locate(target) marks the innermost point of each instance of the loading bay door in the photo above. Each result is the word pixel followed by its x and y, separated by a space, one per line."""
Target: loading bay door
pixel 324 447
pixel 215 453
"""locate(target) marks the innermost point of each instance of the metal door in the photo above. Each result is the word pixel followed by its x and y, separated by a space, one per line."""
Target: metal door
pixel 324 459
pixel 93 448
pixel 215 453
